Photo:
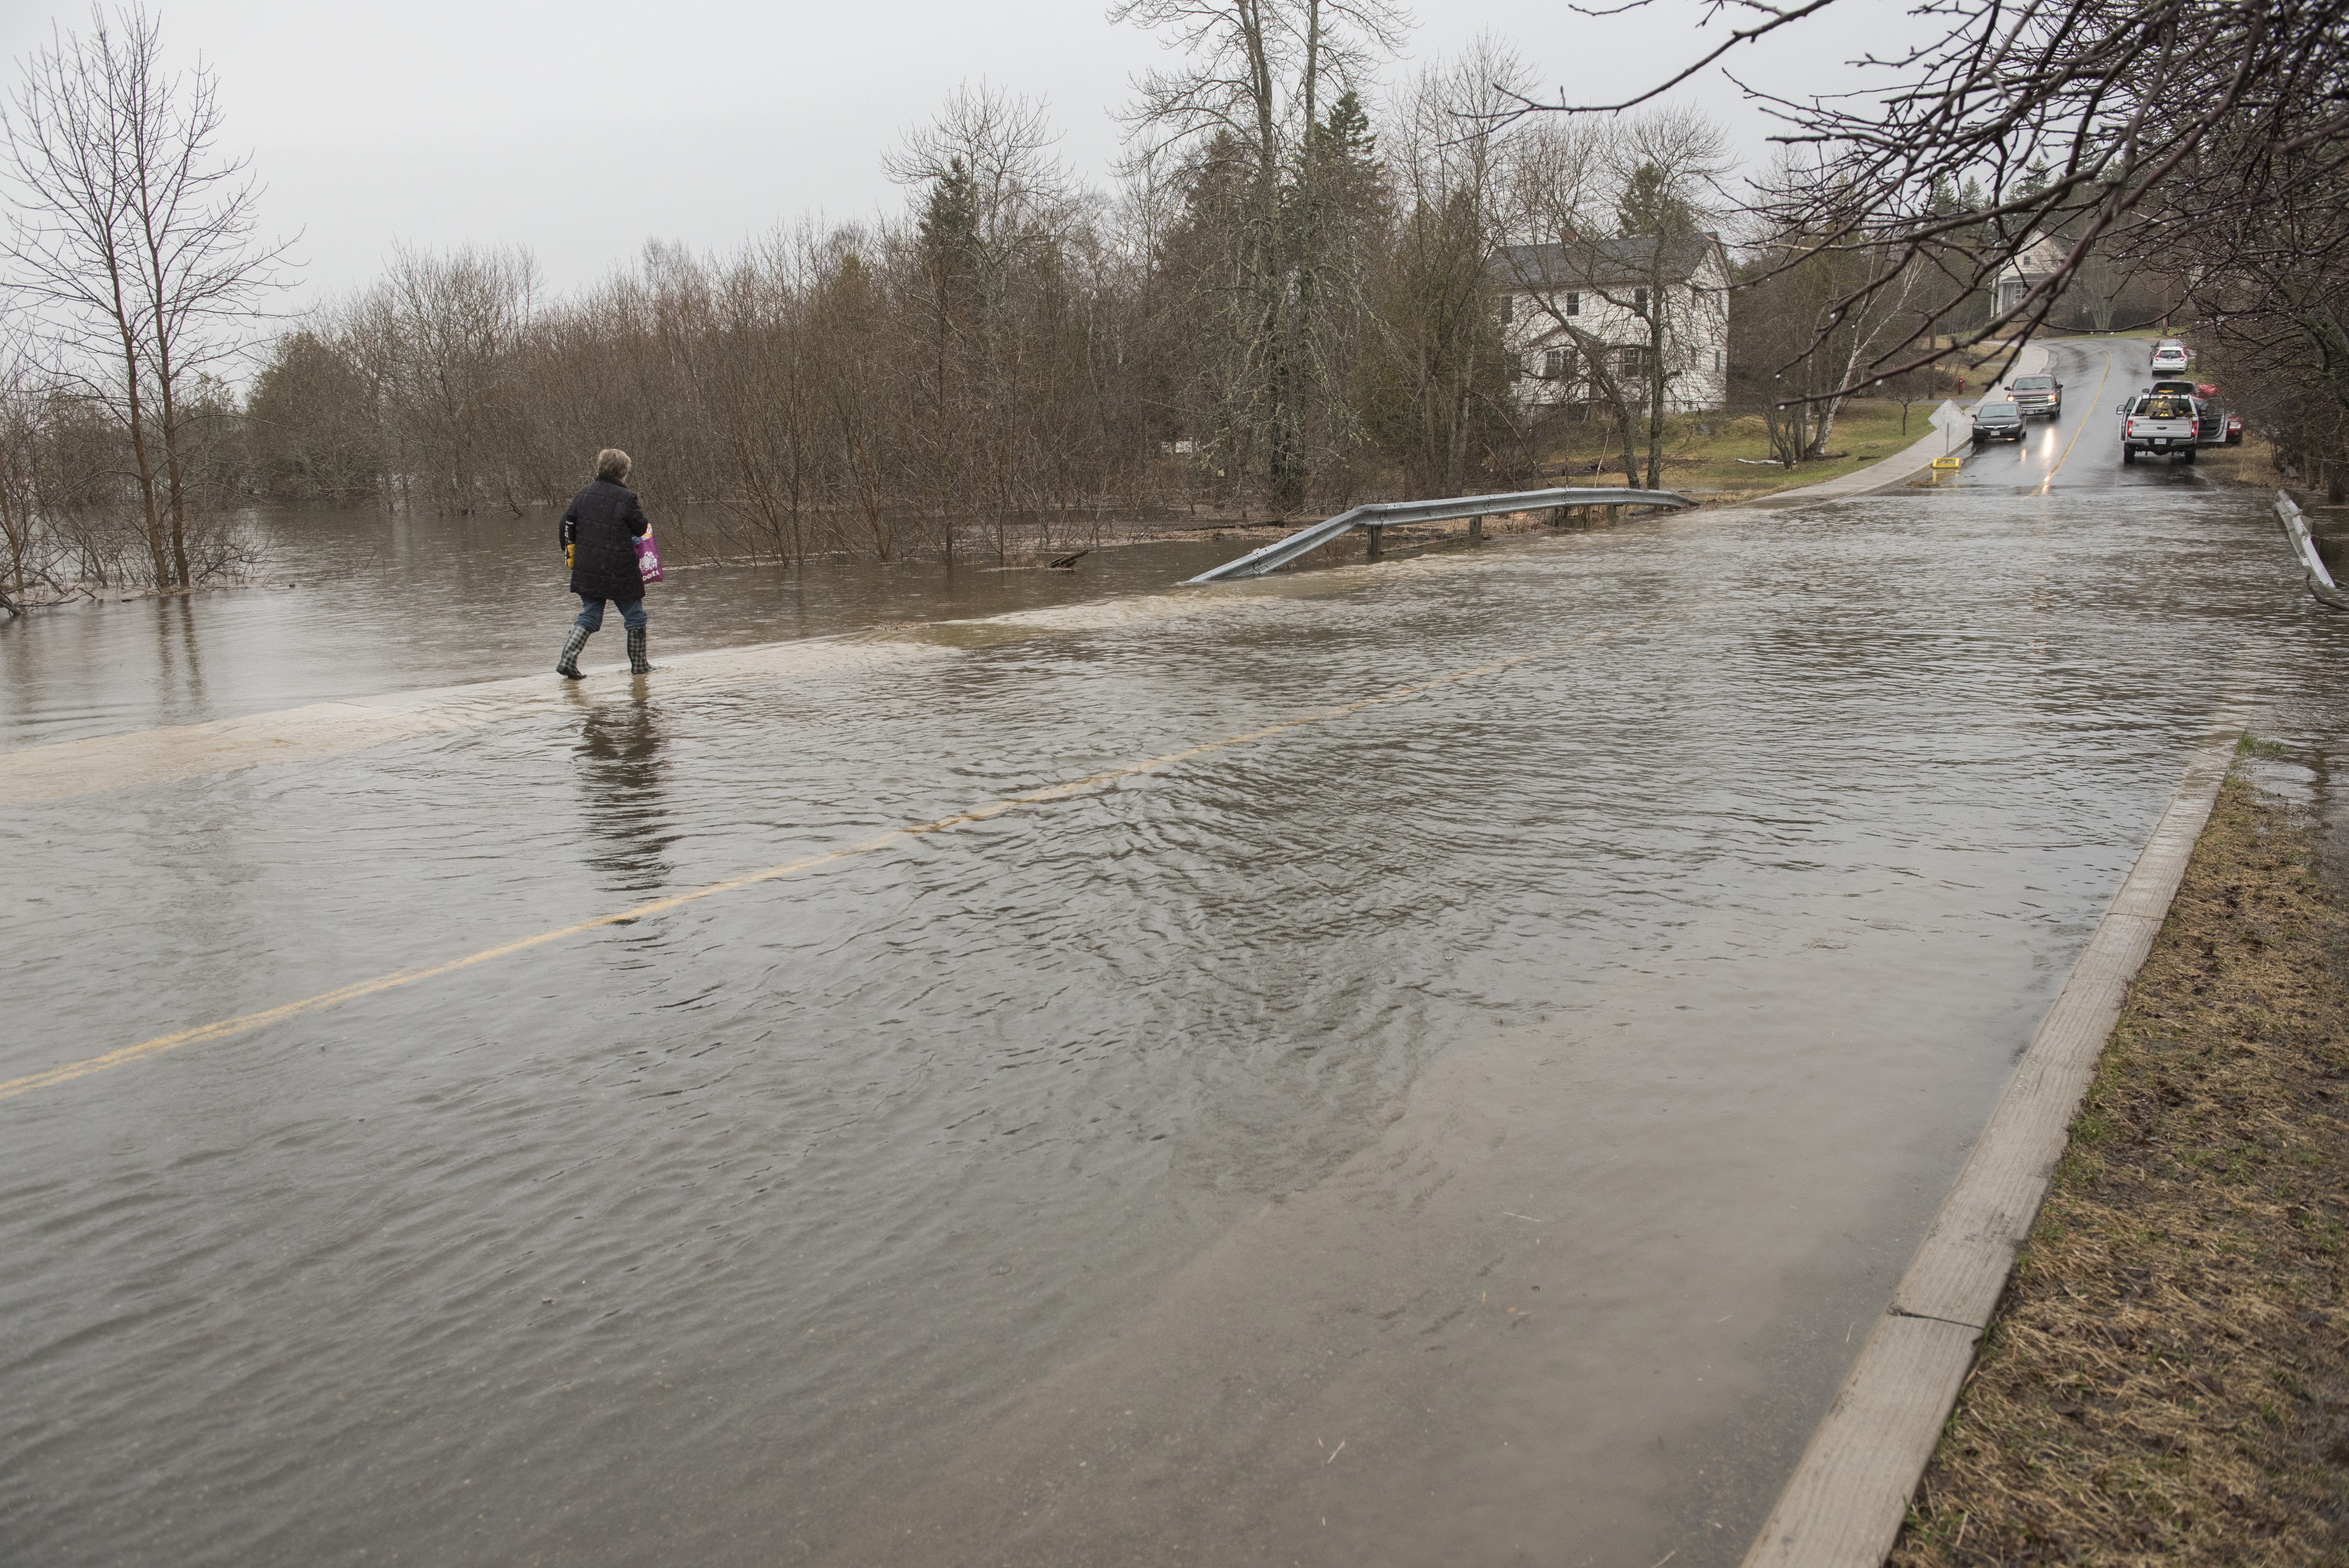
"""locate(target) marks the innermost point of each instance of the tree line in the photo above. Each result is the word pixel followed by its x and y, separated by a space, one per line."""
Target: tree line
pixel 1292 297
pixel 1286 301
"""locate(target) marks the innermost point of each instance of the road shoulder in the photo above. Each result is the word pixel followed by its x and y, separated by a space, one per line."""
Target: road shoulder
pixel 1844 1504
pixel 2167 1373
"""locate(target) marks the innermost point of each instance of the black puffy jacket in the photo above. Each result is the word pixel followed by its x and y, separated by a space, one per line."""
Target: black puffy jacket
pixel 602 524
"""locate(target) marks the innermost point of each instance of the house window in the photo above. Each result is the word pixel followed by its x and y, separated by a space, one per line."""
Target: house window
pixel 1574 304
pixel 1639 301
pixel 1558 364
pixel 1716 359
pixel 1509 308
pixel 1631 363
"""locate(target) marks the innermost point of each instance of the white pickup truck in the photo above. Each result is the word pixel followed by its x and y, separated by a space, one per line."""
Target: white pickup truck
pixel 2159 422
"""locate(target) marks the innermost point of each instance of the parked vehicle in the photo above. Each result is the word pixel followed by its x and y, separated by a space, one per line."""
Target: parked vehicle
pixel 2160 424
pixel 2170 356
pixel 2038 395
pixel 1997 420
pixel 2210 416
pixel 2234 430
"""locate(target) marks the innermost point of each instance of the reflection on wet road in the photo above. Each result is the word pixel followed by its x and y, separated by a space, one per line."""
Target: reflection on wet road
pixel 1476 1121
pixel 2081 449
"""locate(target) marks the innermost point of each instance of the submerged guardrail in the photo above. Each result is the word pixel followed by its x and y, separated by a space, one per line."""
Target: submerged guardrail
pixel 2304 546
pixel 1395 513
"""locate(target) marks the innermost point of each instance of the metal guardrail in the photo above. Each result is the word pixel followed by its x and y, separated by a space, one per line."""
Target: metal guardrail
pixel 2295 529
pixel 1396 513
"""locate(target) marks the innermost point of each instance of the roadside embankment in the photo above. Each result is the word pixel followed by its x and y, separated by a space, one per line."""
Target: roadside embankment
pixel 2166 1377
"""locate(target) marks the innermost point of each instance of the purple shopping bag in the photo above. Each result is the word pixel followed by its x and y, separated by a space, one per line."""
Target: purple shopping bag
pixel 648 564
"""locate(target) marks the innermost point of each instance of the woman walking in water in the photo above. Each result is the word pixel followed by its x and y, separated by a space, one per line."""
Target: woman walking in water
pixel 601 527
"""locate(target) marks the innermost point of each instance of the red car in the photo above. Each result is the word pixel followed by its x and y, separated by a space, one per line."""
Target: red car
pixel 2038 395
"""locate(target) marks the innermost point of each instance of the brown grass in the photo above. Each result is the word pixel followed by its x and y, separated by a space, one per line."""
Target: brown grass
pixel 2167 1378
pixel 2252 463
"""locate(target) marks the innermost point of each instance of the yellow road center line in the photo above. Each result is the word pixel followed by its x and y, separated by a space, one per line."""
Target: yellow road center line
pixel 2099 400
pixel 226 1029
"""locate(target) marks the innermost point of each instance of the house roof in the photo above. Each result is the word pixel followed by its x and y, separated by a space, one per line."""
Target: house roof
pixel 1601 263
pixel 2037 259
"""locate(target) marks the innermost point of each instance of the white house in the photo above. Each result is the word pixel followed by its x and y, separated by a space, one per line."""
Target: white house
pixel 1563 305
pixel 2028 268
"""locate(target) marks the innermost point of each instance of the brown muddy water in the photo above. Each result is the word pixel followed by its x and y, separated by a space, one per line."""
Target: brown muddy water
pixel 1473 1128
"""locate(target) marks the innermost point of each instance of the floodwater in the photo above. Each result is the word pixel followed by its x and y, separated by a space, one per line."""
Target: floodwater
pixel 354 603
pixel 1474 1127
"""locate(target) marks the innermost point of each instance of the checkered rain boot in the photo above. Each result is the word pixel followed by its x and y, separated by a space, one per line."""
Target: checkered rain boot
pixel 638 663
pixel 569 664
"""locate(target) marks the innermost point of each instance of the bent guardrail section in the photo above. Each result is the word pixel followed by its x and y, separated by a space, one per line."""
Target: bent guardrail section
pixel 2312 565
pixel 1392 513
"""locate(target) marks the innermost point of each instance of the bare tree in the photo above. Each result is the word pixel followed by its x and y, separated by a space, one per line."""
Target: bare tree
pixel 763 403
pixel 1259 77
pixel 999 214
pixel 135 235
pixel 1436 370
pixel 22 393
pixel 461 318
pixel 1825 325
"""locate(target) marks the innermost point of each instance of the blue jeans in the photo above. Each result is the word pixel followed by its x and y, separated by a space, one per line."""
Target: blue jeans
pixel 591 614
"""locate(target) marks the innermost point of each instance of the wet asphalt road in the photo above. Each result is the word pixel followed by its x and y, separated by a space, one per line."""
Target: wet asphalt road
pixel 2081 450
pixel 1475 1127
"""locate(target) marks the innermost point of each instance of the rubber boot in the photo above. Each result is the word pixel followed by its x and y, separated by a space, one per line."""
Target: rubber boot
pixel 569 664
pixel 638 663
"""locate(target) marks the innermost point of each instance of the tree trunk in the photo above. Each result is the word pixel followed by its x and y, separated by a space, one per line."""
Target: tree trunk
pixel 175 489
pixel 137 419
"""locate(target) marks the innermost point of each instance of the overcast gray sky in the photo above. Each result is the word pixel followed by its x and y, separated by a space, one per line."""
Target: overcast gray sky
pixel 582 129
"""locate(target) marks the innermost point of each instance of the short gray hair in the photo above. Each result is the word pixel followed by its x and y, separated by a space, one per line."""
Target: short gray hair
pixel 612 464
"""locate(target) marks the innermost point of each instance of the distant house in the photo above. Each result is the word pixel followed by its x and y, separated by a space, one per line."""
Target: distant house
pixel 1562 306
pixel 2028 268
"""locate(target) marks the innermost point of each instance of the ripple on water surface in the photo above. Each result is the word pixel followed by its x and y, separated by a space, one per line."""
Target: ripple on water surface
pixel 720 1236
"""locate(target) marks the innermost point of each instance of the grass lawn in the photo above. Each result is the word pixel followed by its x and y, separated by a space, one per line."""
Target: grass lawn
pixel 2252 463
pixel 1703 452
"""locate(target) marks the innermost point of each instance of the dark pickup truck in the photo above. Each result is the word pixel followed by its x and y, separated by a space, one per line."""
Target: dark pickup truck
pixel 2038 395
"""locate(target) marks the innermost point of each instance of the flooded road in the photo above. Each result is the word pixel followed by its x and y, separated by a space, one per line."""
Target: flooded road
pixel 352 603
pixel 1473 1125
